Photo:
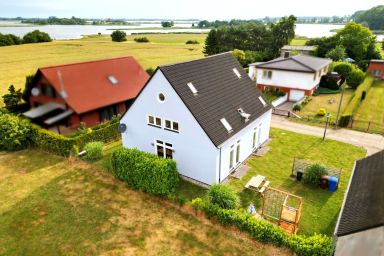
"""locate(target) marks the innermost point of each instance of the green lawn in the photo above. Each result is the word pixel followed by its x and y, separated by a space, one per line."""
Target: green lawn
pixel 372 108
pixel 297 41
pixel 322 101
pixel 21 60
pixel 53 206
pixel 320 207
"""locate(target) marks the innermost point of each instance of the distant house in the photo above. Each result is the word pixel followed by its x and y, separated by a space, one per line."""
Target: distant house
pixel 88 92
pixel 376 68
pixel 298 75
pixel 205 114
pixel 360 226
pixel 288 50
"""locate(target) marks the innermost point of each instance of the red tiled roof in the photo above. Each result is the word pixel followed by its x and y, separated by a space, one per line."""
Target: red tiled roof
pixel 87 84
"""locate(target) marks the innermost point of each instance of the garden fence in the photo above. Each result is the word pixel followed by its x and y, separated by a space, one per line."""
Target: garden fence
pixel 301 165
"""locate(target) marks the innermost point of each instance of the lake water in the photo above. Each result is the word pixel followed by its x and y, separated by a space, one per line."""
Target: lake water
pixel 61 32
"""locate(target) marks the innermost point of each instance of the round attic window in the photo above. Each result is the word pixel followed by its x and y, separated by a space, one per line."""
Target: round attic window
pixel 161 97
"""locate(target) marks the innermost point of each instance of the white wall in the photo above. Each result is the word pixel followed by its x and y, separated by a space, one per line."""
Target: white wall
pixel 251 72
pixel 246 140
pixel 195 154
pixel 280 100
pixel 289 79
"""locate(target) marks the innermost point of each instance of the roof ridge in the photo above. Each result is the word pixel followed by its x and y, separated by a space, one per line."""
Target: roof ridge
pixel 86 62
pixel 199 59
pixel 297 61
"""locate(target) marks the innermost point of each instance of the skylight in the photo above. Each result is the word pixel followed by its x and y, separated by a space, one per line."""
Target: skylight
pixel 237 73
pixel 192 88
pixel 262 101
pixel 113 80
pixel 226 124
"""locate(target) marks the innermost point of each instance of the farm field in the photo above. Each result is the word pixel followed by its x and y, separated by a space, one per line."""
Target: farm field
pixel 21 60
pixel 54 206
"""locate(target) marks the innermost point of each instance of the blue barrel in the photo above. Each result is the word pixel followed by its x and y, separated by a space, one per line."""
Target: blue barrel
pixel 333 182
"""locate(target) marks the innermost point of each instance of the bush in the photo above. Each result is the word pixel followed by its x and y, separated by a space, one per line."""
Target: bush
pixel 36 36
pixel 355 78
pixel 313 173
pixel 321 112
pixel 141 39
pixel 14 132
pixel 343 68
pixel 94 150
pixel 240 56
pixel 145 171
pixel 297 107
pixel 12 98
pixel 328 83
pixel 192 42
pixel 223 196
pixel 118 36
pixel 150 71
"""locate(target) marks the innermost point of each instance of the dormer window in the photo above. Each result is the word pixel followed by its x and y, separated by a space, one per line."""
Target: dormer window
pixel 227 126
pixel 262 101
pixel 113 80
pixel 192 88
pixel 242 113
pixel 237 73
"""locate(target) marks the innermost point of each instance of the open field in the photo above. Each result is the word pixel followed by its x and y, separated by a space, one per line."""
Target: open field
pixel 21 60
pixel 53 206
pixel 298 41
pixel 320 207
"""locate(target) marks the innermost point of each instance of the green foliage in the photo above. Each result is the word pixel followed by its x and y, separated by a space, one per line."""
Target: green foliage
pixel 145 171
pixel 324 44
pixel 141 39
pixel 321 112
pixel 211 43
pixel 94 150
pixel 355 78
pixel 36 36
pixel 119 36
pixel 13 98
pixel 297 107
pixel 336 54
pixel 343 68
pixel 239 55
pixel 27 88
pixel 331 84
pixel 373 17
pixel 150 71
pixel 9 39
pixel 56 21
pixel 313 173
pixel 192 42
pixel 223 196
pixel 14 132
pixel 167 24
pixel 265 232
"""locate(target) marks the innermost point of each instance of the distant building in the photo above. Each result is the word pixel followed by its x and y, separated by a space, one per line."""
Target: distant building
pixel 90 92
pixel 206 114
pixel 376 68
pixel 289 50
pixel 360 226
pixel 298 75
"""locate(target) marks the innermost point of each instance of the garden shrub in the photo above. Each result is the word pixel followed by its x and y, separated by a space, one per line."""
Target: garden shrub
pixel 328 83
pixel 265 232
pixel 15 132
pixel 297 107
pixel 192 42
pixel 321 112
pixel 141 39
pixel 94 150
pixel 119 36
pixel 343 68
pixel 355 78
pixel 36 36
pixel 223 196
pixel 313 173
pixel 145 171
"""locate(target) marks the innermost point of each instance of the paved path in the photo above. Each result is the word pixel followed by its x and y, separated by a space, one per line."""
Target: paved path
pixel 372 142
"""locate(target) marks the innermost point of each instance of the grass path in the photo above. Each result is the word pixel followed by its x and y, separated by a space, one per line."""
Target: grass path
pixel 52 206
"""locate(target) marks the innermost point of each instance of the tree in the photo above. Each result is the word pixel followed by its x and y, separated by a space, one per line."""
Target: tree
pixel 119 36
pixel 12 99
pixel 355 78
pixel 167 24
pixel 382 44
pixel 240 56
pixel 204 24
pixel 324 44
pixel 373 18
pixel 337 53
pixel 343 69
pixel 28 87
pixel 14 132
pixel 223 196
pixel 282 33
pixel 36 36
pixel 211 43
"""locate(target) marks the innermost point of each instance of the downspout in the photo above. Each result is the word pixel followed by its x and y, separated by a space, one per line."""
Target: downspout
pixel 219 165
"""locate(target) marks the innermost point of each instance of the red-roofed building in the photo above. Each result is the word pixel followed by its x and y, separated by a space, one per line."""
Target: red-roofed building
pixel 376 68
pixel 88 92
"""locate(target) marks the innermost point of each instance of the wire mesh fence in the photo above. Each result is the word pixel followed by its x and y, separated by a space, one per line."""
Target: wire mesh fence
pixel 300 165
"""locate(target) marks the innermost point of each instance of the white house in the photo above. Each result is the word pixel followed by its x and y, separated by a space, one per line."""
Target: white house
pixel 205 114
pixel 360 226
pixel 298 75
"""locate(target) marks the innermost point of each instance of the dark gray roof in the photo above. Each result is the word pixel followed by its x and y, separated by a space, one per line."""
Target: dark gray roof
pixel 364 204
pixel 301 63
pixel 220 93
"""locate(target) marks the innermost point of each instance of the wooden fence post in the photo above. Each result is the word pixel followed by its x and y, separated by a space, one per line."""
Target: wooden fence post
pixel 369 124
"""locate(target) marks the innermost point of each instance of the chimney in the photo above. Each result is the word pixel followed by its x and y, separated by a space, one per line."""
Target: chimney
pixel 287 54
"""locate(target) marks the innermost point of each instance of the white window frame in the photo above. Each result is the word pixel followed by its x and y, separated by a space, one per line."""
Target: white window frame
pixel 172 125
pixel 154 119
pixel 165 146
pixel 262 101
pixel 237 73
pixel 226 125
pixel 192 88
pixel 267 74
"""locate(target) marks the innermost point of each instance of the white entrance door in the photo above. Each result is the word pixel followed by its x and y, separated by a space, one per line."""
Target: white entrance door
pixel 296 95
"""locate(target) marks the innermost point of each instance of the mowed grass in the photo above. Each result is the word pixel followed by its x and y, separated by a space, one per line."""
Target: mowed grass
pixel 298 41
pixel 372 108
pixel 21 60
pixel 53 206
pixel 323 101
pixel 320 207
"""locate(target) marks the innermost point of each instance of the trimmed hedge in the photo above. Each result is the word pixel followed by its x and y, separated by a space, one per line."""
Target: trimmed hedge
pixel 354 103
pixel 14 132
pixel 223 196
pixel 94 150
pixel 145 171
pixel 266 232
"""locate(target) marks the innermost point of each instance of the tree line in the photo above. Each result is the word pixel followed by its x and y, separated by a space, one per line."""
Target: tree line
pixel 56 21
pixel 259 41
pixel 372 18
pixel 223 23
pixel 35 36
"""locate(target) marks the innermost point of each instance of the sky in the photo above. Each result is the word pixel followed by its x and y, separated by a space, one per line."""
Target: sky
pixel 181 9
